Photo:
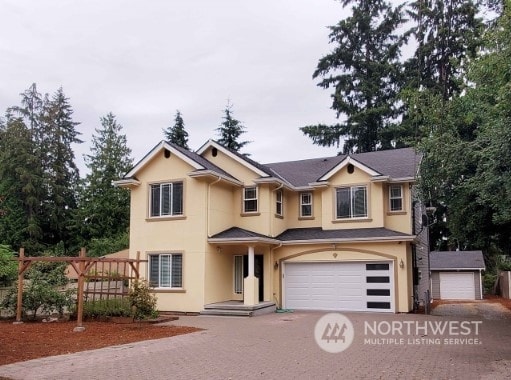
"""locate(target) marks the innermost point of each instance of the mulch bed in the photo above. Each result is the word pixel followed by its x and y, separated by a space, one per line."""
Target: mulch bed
pixel 33 340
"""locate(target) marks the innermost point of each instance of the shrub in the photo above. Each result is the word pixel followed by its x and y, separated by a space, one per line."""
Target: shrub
pixel 113 307
pixel 8 266
pixel 143 303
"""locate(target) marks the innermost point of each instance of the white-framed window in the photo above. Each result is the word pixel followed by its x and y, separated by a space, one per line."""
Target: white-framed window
pixel 351 202
pixel 166 199
pixel 166 270
pixel 396 197
pixel 238 274
pixel 250 199
pixel 305 204
pixel 279 209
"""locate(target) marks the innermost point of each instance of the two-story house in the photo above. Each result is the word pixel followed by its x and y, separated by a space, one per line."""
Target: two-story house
pixel 334 233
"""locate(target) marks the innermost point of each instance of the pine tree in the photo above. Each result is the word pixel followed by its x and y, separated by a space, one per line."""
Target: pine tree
pixel 104 208
pixel 20 185
pixel 177 133
pixel 61 177
pixel 230 131
pixel 365 72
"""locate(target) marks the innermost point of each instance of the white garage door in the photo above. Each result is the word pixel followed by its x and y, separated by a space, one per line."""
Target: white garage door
pixel 457 286
pixel 366 286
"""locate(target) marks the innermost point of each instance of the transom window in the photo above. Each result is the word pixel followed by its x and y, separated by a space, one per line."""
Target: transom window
pixel 166 199
pixel 396 197
pixel 278 204
pixel 166 270
pixel 250 199
pixel 305 204
pixel 351 202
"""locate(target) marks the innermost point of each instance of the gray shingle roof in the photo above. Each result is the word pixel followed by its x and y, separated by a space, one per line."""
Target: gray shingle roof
pixel 456 260
pixel 315 233
pixel 395 163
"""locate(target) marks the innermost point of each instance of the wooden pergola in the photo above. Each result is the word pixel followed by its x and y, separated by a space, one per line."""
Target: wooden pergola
pixel 82 265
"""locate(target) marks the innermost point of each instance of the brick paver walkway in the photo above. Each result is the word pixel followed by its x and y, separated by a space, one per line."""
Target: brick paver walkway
pixel 282 346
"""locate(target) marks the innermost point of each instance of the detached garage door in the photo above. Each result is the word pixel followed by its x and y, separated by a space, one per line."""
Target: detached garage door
pixel 457 286
pixel 367 286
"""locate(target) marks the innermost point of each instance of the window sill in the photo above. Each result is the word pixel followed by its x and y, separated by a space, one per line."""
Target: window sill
pixel 352 220
pixel 279 216
pixel 165 218
pixel 168 290
pixel 250 213
pixel 390 213
pixel 306 218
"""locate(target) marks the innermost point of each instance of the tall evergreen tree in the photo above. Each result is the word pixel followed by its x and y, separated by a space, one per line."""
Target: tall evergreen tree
pixel 104 208
pixel 177 133
pixel 230 130
pixel 61 177
pixel 365 72
pixel 20 184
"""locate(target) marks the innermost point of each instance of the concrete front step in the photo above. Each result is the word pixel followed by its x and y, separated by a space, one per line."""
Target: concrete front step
pixel 237 308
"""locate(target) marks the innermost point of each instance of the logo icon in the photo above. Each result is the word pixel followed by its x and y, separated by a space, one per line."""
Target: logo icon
pixel 334 333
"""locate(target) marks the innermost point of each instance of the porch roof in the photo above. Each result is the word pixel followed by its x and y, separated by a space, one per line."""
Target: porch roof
pixel 310 236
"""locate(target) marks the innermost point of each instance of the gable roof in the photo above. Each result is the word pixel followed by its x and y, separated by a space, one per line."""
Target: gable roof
pixel 199 163
pixel 397 164
pixel 444 260
pixel 256 167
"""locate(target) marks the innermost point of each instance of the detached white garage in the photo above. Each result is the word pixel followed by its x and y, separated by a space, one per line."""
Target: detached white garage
pixel 348 286
pixel 456 275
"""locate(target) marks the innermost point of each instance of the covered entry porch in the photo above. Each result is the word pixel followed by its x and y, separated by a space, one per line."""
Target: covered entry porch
pixel 240 274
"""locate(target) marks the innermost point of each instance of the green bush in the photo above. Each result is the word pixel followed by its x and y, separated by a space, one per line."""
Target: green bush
pixel 8 266
pixel 489 282
pixel 41 293
pixel 113 307
pixel 143 303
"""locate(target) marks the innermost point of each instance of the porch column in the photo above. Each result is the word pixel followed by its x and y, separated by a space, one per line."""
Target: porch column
pixel 251 282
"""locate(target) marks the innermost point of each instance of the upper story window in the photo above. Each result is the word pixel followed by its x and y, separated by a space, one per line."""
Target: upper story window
pixel 166 270
pixel 279 210
pixel 396 197
pixel 166 199
pixel 250 199
pixel 351 202
pixel 305 205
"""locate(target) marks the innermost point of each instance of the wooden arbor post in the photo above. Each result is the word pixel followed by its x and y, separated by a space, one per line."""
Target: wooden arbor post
pixel 81 281
pixel 21 271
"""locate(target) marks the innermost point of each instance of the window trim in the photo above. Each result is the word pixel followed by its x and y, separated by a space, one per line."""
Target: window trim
pixel 244 200
pixel 351 217
pixel 302 204
pixel 170 288
pixel 401 197
pixel 279 202
pixel 238 281
pixel 150 199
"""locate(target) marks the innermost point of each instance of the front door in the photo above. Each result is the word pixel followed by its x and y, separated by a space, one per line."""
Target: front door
pixel 258 272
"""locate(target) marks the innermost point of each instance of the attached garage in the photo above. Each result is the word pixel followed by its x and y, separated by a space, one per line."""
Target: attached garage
pixel 341 286
pixel 456 275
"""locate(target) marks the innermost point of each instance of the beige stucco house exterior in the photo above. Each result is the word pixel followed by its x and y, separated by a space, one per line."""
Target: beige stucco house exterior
pixel 334 233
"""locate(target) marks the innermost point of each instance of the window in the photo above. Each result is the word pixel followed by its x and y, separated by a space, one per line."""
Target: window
pixel 166 199
pixel 396 197
pixel 351 202
pixel 238 274
pixel 250 199
pixel 166 270
pixel 278 204
pixel 305 204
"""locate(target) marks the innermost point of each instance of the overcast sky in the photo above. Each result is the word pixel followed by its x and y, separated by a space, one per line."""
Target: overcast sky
pixel 143 60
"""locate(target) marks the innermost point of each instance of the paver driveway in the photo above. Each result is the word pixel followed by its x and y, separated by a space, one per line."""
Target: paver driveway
pixel 282 346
